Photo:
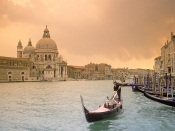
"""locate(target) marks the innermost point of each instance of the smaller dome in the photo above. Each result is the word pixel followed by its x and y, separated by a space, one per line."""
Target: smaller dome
pixel 29 50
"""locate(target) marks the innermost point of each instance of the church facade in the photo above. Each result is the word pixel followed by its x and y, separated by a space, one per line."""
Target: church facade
pixel 42 63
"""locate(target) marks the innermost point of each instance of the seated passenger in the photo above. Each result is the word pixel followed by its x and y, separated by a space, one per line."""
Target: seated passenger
pixel 110 103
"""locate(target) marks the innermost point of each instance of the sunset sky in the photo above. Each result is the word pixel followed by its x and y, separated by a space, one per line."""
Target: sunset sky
pixel 121 33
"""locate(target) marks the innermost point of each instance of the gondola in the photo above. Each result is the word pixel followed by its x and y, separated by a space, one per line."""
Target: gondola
pixel 108 109
pixel 141 89
pixel 161 99
pixel 159 94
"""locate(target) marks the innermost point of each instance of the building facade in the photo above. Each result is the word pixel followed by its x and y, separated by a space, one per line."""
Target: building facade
pixel 42 63
pixel 75 72
pixel 100 71
pixel 14 69
pixel 165 64
pixel 157 64
pixel 168 56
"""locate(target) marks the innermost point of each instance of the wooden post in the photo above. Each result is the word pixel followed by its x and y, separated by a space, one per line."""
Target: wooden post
pixel 159 83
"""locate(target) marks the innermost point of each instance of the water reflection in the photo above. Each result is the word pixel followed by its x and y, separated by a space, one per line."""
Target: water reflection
pixel 103 125
pixel 107 124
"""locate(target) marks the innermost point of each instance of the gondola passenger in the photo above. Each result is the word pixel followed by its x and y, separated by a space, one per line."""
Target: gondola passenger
pixel 110 104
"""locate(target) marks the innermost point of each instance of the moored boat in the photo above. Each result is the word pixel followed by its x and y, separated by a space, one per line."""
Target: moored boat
pixel 141 89
pixel 138 88
pixel 158 93
pixel 108 109
pixel 164 100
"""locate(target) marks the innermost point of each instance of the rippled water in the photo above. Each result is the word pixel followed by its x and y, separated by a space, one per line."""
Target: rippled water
pixel 56 106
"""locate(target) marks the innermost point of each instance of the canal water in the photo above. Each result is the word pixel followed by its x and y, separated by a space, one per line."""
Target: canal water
pixel 56 106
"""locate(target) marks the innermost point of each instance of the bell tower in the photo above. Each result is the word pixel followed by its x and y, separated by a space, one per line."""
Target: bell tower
pixel 19 49
pixel 46 33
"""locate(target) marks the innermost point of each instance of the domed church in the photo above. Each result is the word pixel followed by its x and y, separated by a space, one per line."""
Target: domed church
pixel 47 64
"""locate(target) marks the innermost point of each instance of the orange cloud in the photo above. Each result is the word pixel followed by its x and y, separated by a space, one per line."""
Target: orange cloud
pixel 123 32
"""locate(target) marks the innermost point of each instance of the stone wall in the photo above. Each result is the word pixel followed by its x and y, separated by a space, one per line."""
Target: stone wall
pixel 13 74
pixel 14 69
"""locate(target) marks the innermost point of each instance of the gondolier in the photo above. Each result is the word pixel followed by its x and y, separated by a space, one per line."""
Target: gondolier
pixel 117 88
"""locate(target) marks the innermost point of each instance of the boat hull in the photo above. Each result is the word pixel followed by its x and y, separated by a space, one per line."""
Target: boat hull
pixel 160 99
pixel 92 117
pixel 141 89
pixel 159 94
pixel 102 112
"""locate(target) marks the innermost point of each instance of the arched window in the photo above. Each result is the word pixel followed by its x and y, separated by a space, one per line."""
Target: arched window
pixel 9 76
pixel 37 57
pixel 45 57
pixel 49 67
pixel 41 57
pixel 9 73
pixel 33 67
pixel 49 57
pixel 22 73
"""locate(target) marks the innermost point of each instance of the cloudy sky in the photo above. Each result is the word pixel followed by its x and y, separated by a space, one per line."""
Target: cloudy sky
pixel 122 33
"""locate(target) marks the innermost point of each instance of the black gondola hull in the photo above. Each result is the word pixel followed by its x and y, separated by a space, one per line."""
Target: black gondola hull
pixel 141 89
pixel 102 112
pixel 163 100
pixel 92 117
pixel 159 94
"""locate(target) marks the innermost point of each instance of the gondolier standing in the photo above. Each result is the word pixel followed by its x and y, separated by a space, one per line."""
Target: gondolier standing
pixel 117 88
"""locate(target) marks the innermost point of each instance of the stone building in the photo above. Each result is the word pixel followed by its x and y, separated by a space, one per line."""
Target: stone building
pixel 14 69
pixel 75 72
pixel 157 65
pixel 90 71
pixel 42 63
pixel 165 64
pixel 98 71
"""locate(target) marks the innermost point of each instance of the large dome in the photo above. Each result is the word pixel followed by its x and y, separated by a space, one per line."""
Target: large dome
pixel 46 43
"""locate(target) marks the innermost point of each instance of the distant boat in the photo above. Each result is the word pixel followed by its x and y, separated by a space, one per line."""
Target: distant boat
pixel 164 100
pixel 135 88
pixel 108 109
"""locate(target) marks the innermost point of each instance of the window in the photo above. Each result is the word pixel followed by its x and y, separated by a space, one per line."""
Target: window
pixel 49 67
pixel 49 57
pixel 33 67
pixel 45 57
pixel 9 72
